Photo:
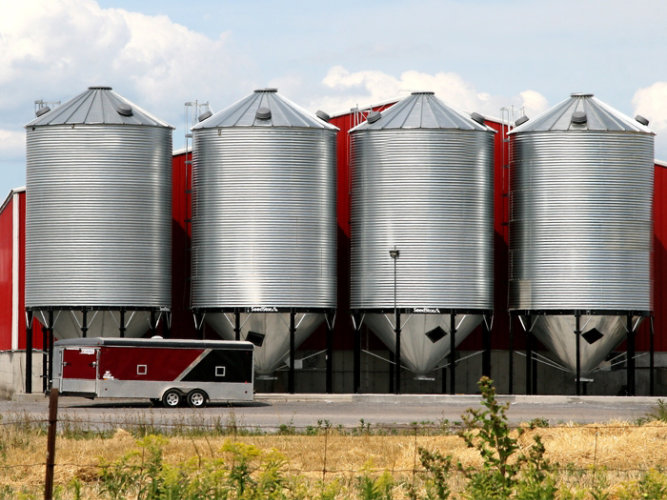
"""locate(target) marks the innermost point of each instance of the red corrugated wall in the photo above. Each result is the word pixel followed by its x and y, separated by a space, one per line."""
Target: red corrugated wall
pixel 6 276
pixel 182 325
pixel 659 266
pixel 6 250
pixel 36 327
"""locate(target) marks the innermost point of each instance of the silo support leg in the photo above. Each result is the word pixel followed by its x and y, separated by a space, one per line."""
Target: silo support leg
pixel 153 323
pixel 631 356
pixel 292 331
pixel 392 370
pixel 397 326
pixel 121 326
pixel 577 334
pixel 529 359
pixel 199 324
pixel 45 366
pixel 167 318
pixel 237 325
pixel 50 341
pixel 28 353
pixel 486 344
pixel 84 324
pixel 452 353
pixel 443 372
pixel 510 389
pixel 356 377
pixel 651 369
pixel 330 319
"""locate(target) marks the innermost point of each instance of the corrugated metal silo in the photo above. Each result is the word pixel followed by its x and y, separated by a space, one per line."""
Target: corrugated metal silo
pixel 98 220
pixel 581 228
pixel 264 223
pixel 422 182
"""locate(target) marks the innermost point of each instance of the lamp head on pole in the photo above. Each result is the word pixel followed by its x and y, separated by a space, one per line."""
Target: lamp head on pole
pixel 394 253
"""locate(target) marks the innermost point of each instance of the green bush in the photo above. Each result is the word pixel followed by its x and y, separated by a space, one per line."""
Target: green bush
pixel 505 472
pixel 243 472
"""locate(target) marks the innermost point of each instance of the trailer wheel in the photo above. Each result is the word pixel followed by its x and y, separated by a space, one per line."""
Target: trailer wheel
pixel 172 398
pixel 196 398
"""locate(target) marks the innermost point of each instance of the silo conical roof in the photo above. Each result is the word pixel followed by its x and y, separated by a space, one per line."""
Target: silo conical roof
pixel 582 112
pixel 264 108
pixel 98 106
pixel 421 110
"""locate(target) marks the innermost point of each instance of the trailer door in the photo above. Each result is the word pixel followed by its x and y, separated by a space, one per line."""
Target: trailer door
pixel 80 369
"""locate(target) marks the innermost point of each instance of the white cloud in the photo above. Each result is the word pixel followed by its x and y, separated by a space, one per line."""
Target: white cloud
pixel 54 49
pixel 651 102
pixel 370 87
pixel 533 102
pixel 12 144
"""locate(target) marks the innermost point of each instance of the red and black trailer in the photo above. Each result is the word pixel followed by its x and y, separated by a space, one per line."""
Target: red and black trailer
pixel 171 371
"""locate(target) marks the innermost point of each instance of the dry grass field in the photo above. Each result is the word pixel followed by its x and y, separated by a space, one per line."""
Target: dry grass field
pixel 609 457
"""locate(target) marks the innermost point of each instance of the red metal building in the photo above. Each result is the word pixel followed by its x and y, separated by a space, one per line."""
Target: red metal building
pixel 12 274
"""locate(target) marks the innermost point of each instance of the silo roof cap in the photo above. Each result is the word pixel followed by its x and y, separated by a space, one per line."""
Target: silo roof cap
pixel 98 106
pixel 580 112
pixel 421 110
pixel 274 111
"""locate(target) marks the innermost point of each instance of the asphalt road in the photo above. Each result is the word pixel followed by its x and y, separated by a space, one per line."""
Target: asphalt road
pixel 271 411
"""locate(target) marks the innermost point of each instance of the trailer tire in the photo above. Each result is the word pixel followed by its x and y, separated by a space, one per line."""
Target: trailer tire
pixel 196 398
pixel 172 398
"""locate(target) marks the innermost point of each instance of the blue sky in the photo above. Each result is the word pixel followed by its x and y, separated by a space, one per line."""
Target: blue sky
pixel 477 55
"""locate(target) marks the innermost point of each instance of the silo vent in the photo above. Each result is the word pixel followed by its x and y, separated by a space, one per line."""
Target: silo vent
pixel 256 338
pixel 641 119
pixel 592 336
pixel 423 93
pixel 322 115
pixel 263 113
pixel 579 117
pixel 206 114
pixel 436 334
pixel 477 117
pixel 124 110
pixel 270 90
pixel 42 111
pixel 373 116
pixel 521 120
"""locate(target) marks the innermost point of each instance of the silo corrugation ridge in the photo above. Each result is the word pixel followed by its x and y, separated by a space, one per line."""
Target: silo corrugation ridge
pixel 581 221
pixel 429 192
pixel 98 218
pixel 264 218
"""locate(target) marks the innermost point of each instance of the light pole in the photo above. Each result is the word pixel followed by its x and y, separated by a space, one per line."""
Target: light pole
pixel 394 254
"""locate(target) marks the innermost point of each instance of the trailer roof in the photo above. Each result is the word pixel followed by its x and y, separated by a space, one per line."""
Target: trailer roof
pixel 156 342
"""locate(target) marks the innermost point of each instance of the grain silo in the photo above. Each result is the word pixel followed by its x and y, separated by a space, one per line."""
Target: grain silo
pixel 98 217
pixel 581 229
pixel 264 225
pixel 422 228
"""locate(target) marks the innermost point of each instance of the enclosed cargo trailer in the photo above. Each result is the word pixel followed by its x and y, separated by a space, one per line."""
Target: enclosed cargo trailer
pixel 170 371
